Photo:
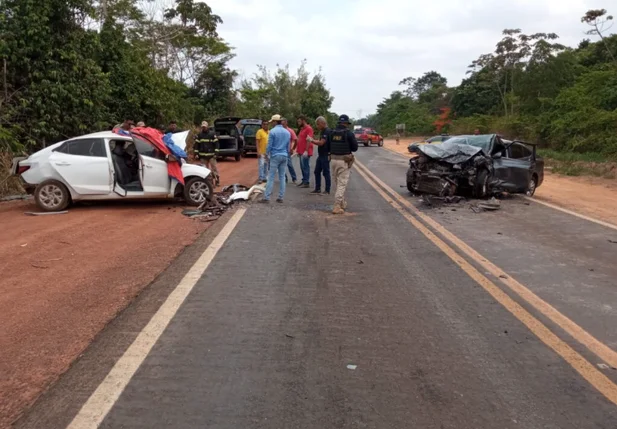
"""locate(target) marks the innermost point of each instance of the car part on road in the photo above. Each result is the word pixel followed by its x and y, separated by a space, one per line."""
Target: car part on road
pixel 45 213
pixel 52 196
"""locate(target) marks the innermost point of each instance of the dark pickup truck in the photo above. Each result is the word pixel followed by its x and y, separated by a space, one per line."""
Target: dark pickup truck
pixel 249 128
pixel 231 142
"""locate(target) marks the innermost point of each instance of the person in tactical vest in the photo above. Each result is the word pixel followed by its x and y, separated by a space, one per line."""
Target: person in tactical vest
pixel 342 145
pixel 206 149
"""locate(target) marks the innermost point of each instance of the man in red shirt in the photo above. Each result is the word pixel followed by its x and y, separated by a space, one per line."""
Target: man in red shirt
pixel 305 150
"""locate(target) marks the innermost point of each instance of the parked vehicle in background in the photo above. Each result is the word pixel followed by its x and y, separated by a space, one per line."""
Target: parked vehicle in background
pixel 230 143
pixel 435 139
pixel 368 136
pixel 108 166
pixel 249 128
pixel 481 164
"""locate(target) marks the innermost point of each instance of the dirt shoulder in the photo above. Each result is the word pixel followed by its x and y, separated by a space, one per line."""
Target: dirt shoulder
pixel 64 277
pixel 590 196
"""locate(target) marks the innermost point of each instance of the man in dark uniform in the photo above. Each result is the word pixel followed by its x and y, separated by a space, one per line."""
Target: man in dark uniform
pixel 322 165
pixel 342 145
pixel 206 149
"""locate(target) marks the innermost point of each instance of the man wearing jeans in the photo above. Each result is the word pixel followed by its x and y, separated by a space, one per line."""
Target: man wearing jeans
pixel 293 145
pixel 277 151
pixel 305 150
pixel 261 139
pixel 322 165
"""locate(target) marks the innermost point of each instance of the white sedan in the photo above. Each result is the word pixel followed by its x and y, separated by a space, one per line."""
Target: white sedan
pixel 107 166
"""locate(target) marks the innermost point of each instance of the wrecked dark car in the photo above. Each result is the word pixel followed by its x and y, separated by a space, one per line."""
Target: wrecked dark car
pixel 480 165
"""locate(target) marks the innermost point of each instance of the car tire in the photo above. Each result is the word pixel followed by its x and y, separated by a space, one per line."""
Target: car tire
pixel 533 184
pixel 480 188
pixel 380 144
pixel 52 196
pixel 194 191
pixel 238 157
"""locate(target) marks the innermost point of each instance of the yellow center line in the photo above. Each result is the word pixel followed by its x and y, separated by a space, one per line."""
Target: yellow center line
pixel 587 370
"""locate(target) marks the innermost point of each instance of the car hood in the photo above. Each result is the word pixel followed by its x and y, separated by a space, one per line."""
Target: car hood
pixel 452 153
pixel 194 170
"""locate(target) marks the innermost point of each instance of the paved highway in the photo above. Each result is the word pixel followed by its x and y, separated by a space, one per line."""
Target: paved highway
pixel 395 315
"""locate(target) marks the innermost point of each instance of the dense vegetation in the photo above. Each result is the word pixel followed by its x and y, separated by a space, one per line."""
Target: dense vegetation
pixel 530 87
pixel 68 67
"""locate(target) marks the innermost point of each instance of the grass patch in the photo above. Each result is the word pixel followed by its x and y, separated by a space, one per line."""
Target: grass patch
pixel 576 157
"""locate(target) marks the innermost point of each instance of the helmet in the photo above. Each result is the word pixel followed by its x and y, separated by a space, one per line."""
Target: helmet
pixel 343 119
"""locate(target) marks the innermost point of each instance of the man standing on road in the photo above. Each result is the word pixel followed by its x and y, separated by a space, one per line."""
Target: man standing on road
pixel 305 150
pixel 342 145
pixel 293 146
pixel 277 151
pixel 206 149
pixel 322 165
pixel 262 143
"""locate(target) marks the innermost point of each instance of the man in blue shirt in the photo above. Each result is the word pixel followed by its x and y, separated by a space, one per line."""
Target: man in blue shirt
pixel 277 152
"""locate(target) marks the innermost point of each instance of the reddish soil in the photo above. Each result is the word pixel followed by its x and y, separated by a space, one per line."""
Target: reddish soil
pixel 64 277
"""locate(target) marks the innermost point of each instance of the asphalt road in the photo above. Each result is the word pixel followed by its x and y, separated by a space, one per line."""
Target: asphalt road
pixel 307 320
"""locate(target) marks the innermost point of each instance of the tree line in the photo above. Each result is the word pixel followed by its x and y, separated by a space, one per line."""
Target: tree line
pixel 530 87
pixel 69 67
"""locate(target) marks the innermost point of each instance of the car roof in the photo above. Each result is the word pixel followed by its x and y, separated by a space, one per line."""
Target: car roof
pixel 100 135
pixel 251 121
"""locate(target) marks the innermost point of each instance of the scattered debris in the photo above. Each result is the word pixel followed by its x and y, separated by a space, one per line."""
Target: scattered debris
pixel 50 260
pixel 16 197
pixel 505 332
pixel 352 367
pixel 603 366
pixel 45 213
pixel 360 261
pixel 612 241
pixel 38 266
pixel 211 210
pixel 503 276
pixel 431 200
pixel 24 245
pixel 289 336
pixel 492 204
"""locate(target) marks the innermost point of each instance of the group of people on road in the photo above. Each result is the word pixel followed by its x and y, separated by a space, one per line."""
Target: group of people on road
pixel 277 143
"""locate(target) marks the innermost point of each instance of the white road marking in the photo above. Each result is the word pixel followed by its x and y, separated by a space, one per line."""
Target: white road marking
pixel 105 396
pixel 570 212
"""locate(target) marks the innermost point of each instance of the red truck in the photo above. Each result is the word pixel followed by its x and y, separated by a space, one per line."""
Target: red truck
pixel 368 136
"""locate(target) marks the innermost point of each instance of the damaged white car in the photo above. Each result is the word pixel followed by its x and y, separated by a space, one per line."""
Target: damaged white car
pixel 110 166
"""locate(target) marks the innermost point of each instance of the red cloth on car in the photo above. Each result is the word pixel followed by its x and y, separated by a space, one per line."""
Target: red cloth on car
pixel 155 137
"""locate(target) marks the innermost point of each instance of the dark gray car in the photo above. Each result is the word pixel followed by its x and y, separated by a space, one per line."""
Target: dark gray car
pixel 480 164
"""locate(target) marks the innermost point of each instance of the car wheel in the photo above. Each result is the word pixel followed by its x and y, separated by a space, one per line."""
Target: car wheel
pixel 237 157
pixel 380 144
pixel 533 184
pixel 52 196
pixel 198 190
pixel 480 189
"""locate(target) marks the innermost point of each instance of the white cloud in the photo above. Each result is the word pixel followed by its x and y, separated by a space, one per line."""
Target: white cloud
pixel 365 47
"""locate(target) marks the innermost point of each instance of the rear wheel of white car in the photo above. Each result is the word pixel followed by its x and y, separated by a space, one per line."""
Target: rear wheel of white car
pixel 198 190
pixel 52 196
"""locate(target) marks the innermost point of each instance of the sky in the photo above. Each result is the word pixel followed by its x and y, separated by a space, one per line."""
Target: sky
pixel 365 48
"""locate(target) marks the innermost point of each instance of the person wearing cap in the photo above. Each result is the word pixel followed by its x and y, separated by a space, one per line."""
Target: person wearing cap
pixel 206 148
pixel 322 165
pixel 342 145
pixel 277 151
pixel 305 150
pixel 261 138
pixel 141 124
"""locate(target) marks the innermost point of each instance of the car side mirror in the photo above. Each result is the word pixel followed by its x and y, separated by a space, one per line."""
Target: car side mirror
pixel 497 155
